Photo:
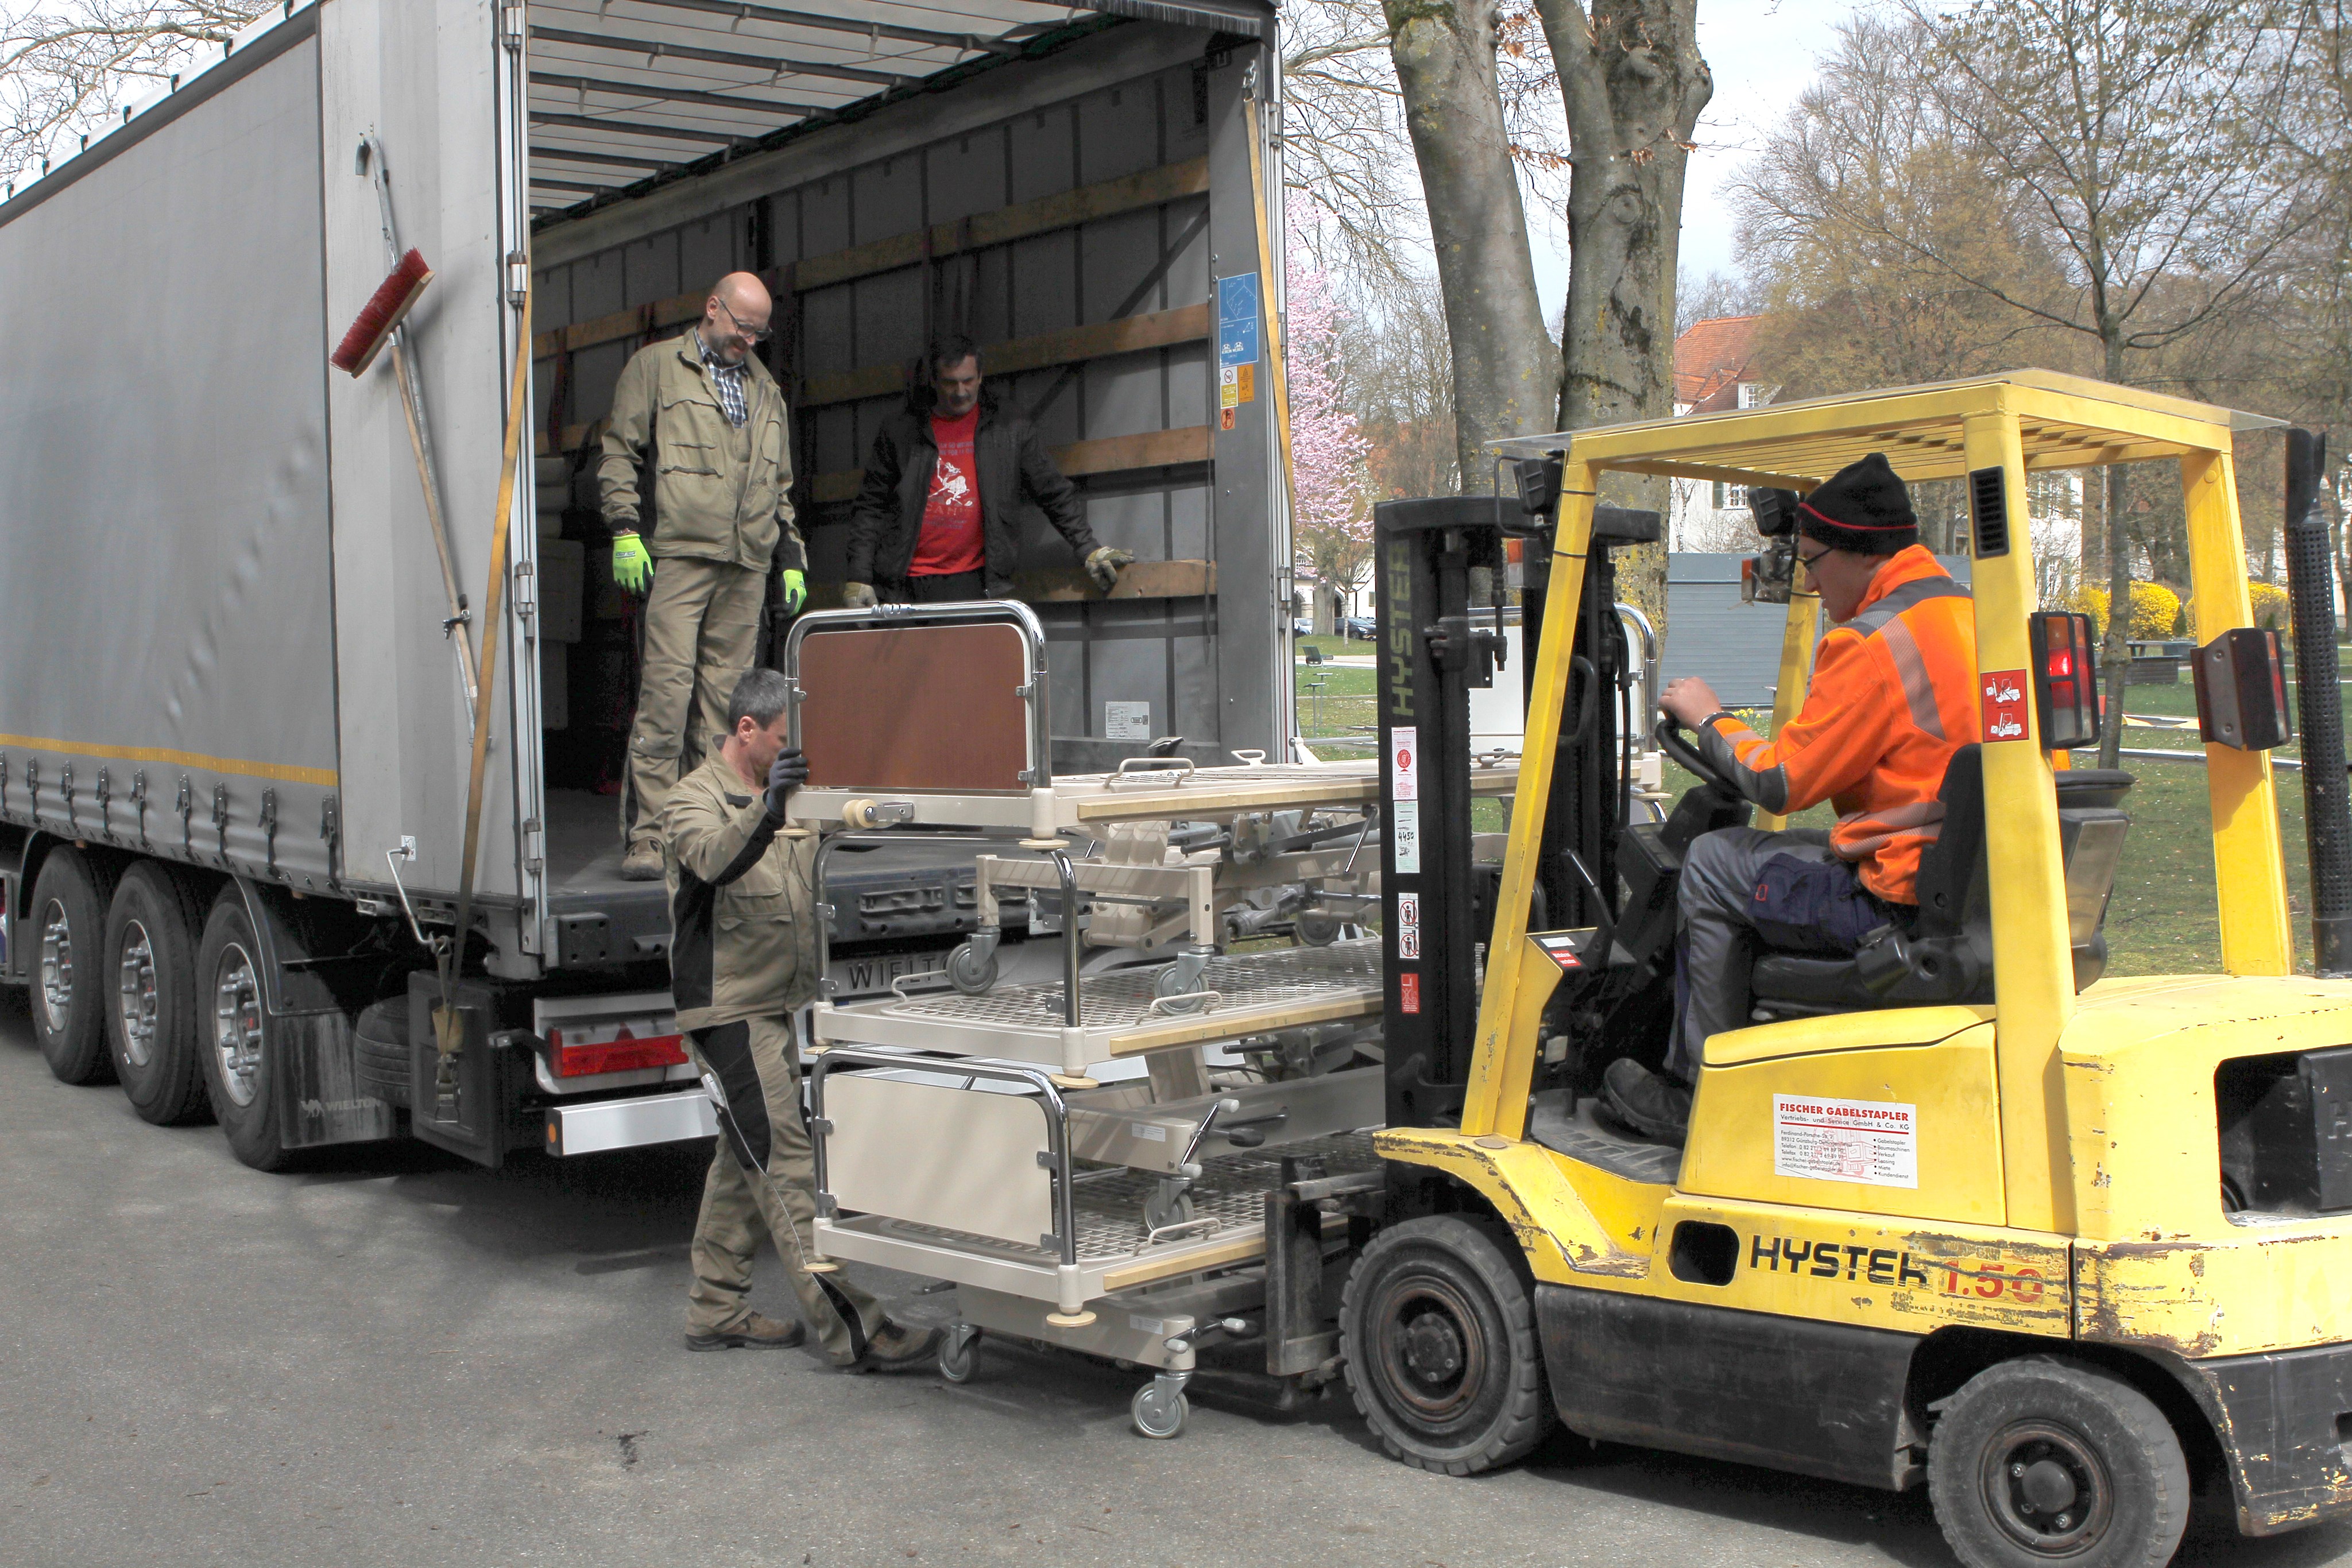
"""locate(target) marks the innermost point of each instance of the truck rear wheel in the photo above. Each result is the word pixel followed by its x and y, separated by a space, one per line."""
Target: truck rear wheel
pixel 1441 1356
pixel 237 1035
pixel 151 929
pixel 68 931
pixel 2039 1460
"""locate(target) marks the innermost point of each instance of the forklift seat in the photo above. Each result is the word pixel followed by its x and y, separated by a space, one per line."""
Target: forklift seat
pixel 1944 956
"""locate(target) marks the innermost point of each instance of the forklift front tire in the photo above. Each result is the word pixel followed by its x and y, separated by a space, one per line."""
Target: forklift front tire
pixel 1442 1356
pixel 2040 1461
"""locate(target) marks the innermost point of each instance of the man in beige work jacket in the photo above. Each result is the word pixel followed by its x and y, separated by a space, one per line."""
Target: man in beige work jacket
pixel 743 955
pixel 700 423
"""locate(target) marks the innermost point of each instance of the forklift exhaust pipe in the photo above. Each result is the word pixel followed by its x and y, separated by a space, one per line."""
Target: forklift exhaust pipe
pixel 2327 814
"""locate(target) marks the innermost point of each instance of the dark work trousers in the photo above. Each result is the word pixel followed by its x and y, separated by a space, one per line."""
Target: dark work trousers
pixel 1742 887
pixel 936 588
pixel 758 1064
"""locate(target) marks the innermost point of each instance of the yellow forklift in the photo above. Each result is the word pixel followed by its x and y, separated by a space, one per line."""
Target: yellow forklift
pixel 1959 1210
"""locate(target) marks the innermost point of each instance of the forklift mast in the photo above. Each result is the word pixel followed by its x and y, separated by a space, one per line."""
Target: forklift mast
pixel 1439 590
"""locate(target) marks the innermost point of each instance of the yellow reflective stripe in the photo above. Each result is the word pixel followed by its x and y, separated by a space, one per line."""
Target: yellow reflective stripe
pixel 326 778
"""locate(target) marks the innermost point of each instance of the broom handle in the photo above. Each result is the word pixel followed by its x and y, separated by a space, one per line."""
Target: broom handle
pixel 447 1037
pixel 412 404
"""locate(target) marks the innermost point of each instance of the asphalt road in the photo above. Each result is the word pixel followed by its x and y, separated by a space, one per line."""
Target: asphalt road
pixel 392 1358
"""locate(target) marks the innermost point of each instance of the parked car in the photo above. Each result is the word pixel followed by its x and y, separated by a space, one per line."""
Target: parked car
pixel 1357 626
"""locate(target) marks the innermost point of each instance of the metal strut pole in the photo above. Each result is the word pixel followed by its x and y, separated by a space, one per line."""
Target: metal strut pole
pixel 2327 814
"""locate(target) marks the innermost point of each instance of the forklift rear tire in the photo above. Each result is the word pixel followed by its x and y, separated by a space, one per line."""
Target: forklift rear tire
pixel 1442 1354
pixel 2040 1461
pixel 68 931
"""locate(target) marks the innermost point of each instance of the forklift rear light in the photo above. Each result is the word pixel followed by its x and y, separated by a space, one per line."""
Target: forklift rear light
pixel 2065 679
pixel 624 1053
pixel 2241 690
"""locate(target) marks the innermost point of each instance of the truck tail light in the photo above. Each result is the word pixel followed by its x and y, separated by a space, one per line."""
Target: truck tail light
pixel 2065 679
pixel 2241 690
pixel 624 1052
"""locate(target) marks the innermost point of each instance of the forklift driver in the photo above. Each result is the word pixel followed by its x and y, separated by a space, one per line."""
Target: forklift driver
pixel 1893 695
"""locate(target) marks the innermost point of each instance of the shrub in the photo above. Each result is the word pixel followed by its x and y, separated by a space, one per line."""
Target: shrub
pixel 2271 607
pixel 2156 610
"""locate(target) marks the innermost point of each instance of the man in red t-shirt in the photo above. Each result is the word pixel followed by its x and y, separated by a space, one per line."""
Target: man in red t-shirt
pixel 949 549
pixel 951 489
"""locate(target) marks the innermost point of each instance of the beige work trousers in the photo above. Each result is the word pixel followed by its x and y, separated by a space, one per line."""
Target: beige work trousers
pixel 757 1065
pixel 702 625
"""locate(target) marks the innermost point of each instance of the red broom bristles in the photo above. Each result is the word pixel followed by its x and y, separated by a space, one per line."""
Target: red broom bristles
pixel 384 311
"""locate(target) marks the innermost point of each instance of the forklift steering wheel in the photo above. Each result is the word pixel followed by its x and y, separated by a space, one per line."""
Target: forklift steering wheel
pixel 1687 755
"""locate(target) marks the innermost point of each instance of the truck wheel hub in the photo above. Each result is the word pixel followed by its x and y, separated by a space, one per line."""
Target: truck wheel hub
pixel 1432 1348
pixel 56 965
pixel 141 1008
pixel 237 1024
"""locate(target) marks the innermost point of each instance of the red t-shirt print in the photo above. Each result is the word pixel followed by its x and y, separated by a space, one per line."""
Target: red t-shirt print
pixel 950 540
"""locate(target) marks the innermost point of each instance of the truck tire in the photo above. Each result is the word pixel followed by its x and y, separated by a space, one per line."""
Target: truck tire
pixel 152 1018
pixel 1440 1339
pixel 2039 1460
pixel 67 930
pixel 380 1059
pixel 238 1036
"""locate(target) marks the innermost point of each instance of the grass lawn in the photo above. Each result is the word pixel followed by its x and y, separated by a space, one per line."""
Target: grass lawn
pixel 2161 919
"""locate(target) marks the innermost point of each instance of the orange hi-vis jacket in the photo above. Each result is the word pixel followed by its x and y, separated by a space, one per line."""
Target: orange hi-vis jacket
pixel 1893 695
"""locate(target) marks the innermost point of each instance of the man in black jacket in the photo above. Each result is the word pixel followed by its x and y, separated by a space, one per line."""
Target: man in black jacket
pixel 950 482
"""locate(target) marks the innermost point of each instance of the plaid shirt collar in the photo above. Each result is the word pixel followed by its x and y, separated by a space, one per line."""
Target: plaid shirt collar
pixel 725 381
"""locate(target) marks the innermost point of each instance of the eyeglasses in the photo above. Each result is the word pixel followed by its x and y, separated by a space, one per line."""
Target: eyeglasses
pixel 1814 561
pixel 757 334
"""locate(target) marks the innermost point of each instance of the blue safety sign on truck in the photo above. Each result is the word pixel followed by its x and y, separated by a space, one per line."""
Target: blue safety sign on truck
pixel 1238 344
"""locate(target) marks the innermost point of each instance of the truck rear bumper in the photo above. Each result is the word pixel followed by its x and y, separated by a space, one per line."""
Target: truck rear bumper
pixel 595 1126
pixel 2285 1426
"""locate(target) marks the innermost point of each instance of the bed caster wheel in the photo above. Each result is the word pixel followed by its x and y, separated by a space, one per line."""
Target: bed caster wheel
pixel 1159 1409
pixel 1316 930
pixel 959 1352
pixel 1184 978
pixel 968 972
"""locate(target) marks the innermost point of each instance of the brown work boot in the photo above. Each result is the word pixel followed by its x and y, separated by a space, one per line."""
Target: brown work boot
pixel 643 862
pixel 895 1347
pixel 754 1332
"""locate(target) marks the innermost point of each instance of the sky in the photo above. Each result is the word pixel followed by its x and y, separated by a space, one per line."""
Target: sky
pixel 1762 53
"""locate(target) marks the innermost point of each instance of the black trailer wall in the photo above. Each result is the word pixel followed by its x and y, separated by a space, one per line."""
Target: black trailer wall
pixel 1140 124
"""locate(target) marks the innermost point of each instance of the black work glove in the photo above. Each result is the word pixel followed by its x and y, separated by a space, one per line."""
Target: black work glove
pixel 787 773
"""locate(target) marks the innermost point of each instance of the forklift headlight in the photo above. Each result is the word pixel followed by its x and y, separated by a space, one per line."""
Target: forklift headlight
pixel 2241 690
pixel 2065 679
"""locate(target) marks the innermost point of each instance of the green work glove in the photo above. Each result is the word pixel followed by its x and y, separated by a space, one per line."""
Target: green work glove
pixel 857 595
pixel 796 591
pixel 1103 566
pixel 633 569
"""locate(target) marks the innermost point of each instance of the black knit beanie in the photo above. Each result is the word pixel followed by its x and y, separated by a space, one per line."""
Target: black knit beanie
pixel 1861 507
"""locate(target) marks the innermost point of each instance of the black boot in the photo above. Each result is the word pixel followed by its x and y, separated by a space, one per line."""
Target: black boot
pixel 1651 1104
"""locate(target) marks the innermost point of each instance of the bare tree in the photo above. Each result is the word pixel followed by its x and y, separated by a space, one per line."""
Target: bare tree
pixel 2137 130
pixel 1400 373
pixel 69 67
pixel 1633 84
pixel 1445 54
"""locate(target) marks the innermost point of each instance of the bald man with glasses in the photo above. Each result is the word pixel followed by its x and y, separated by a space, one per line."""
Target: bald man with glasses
pixel 696 479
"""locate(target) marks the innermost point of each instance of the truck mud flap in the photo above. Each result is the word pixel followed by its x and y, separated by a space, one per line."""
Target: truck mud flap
pixel 1820 1398
pixel 472 1124
pixel 314 1051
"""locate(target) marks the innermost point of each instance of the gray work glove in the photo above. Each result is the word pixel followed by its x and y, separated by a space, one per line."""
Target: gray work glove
pixel 1103 566
pixel 787 773
pixel 857 595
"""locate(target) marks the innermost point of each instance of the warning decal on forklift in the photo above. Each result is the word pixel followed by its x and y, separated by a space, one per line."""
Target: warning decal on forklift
pixel 2004 704
pixel 1408 925
pixel 1404 791
pixel 1870 1141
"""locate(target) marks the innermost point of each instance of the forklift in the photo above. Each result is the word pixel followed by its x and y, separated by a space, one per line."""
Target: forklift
pixel 1959 1210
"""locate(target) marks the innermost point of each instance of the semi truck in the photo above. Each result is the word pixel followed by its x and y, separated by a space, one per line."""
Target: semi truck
pixel 235 706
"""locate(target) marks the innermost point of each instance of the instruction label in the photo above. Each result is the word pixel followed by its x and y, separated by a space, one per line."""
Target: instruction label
pixel 1237 341
pixel 1126 721
pixel 1404 790
pixel 1874 1142
pixel 1405 837
pixel 1408 925
pixel 2004 704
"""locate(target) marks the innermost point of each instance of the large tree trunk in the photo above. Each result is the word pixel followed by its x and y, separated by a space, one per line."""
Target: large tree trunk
pixel 1504 362
pixel 1634 84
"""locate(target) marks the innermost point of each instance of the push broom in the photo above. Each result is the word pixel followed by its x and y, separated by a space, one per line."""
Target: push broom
pixel 380 327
